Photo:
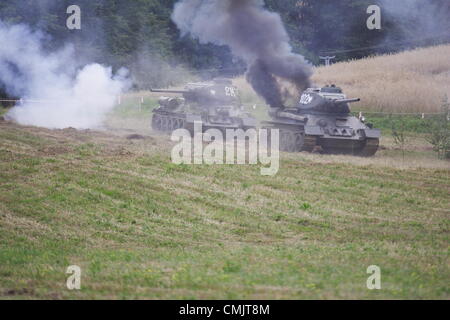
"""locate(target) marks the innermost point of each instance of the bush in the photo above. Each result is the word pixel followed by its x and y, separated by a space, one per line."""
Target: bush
pixel 399 127
pixel 439 131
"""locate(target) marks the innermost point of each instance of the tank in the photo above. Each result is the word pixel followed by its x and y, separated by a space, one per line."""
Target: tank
pixel 216 104
pixel 322 119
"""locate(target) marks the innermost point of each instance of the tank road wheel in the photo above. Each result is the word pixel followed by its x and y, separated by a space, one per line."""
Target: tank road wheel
pixel 168 124
pixel 283 141
pixel 291 141
pixel 303 143
pixel 269 138
pixel 158 122
pixel 162 121
pixel 298 142
pixel 309 143
pixel 180 124
pixel 176 124
pixel 164 124
pixel 287 141
pixel 171 125
pixel 155 122
pixel 369 149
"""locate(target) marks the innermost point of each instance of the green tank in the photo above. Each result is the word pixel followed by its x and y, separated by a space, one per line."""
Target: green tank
pixel 322 119
pixel 216 104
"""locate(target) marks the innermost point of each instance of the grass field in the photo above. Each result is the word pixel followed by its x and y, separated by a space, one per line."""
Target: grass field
pixel 141 227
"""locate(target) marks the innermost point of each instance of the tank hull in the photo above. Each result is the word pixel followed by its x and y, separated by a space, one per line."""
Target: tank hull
pixel 167 122
pixel 332 134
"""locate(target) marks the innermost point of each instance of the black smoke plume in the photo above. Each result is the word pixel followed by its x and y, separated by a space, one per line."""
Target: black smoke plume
pixel 254 34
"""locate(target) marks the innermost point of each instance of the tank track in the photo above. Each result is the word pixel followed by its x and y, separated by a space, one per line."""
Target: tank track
pixel 365 148
pixel 370 148
pixel 167 122
pixel 294 140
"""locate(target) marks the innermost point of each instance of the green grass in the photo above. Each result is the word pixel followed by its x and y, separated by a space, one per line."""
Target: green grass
pixel 3 111
pixel 410 123
pixel 131 107
pixel 142 227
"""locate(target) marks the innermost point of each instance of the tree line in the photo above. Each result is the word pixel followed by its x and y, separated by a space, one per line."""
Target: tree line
pixel 140 35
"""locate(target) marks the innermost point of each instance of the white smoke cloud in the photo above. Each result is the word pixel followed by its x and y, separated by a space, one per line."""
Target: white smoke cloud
pixel 57 92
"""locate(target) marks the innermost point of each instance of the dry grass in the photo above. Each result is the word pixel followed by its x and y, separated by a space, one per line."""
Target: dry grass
pixel 412 81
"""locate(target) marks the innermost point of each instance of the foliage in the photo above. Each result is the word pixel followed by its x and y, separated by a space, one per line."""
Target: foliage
pixel 439 131
pixel 412 124
pixel 398 130
pixel 123 33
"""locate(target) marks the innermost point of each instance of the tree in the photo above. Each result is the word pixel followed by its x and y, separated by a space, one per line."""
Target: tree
pixel 439 131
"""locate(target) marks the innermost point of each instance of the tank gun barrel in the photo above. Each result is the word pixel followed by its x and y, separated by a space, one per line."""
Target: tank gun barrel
pixel 169 91
pixel 290 116
pixel 340 101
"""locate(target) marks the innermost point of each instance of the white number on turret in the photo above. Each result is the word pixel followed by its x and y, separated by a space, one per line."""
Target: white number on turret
pixel 306 99
pixel 230 91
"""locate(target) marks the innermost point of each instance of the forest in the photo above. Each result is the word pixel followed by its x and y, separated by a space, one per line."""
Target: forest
pixel 141 36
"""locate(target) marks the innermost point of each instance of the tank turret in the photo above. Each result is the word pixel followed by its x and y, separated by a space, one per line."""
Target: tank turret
pixel 208 94
pixel 325 100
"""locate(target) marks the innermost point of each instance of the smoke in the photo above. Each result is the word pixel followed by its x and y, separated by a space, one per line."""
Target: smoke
pixel 254 34
pixel 152 70
pixel 57 92
pixel 419 20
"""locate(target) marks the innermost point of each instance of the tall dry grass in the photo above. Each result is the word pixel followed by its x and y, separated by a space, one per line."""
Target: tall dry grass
pixel 411 81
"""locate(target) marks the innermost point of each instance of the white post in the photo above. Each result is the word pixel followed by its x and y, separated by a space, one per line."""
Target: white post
pixel 327 59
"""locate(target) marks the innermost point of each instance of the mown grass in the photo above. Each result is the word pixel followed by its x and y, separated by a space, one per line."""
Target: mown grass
pixel 142 227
